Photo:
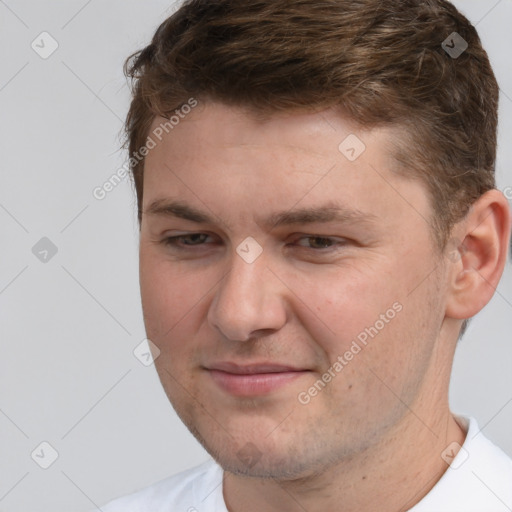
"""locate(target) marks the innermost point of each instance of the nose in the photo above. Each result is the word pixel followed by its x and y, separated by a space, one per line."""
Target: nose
pixel 249 301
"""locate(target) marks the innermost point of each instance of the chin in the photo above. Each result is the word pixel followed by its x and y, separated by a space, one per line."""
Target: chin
pixel 272 467
pixel 271 461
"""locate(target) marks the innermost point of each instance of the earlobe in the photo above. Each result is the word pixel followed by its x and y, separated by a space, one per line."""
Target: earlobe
pixel 481 254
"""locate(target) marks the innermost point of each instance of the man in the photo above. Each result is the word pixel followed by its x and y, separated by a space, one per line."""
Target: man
pixel 318 221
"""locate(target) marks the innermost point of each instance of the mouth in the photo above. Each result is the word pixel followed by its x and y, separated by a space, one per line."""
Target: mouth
pixel 253 379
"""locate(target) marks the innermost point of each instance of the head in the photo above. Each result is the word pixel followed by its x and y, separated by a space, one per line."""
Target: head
pixel 244 110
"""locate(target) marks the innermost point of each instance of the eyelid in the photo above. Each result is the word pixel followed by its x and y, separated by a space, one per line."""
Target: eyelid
pixel 316 235
pixel 295 236
pixel 173 239
pixel 336 241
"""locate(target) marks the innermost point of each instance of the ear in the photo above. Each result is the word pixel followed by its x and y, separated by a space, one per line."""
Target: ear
pixel 478 254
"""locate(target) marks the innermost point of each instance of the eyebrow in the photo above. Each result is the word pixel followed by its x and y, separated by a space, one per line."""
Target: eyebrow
pixel 330 212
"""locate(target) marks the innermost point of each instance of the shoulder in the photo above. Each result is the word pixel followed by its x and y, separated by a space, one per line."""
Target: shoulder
pixel 479 478
pixel 491 467
pixel 185 490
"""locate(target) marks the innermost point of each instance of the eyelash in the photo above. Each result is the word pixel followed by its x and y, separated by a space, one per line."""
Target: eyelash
pixel 173 242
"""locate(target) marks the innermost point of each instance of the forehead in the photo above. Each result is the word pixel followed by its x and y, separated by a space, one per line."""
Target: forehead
pixel 236 124
pixel 215 130
pixel 221 157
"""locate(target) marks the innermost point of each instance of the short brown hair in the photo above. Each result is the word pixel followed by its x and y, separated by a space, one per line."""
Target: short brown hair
pixel 379 62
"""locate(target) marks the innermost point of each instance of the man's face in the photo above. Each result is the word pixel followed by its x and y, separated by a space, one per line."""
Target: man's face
pixel 244 335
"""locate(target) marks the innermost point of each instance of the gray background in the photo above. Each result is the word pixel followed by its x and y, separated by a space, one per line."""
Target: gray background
pixel 69 326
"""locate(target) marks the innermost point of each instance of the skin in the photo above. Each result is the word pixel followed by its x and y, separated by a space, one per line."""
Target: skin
pixel 372 438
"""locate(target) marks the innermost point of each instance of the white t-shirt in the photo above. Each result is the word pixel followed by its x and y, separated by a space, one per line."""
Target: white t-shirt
pixel 479 479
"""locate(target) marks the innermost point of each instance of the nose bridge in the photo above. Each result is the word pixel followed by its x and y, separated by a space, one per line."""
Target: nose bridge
pixel 248 298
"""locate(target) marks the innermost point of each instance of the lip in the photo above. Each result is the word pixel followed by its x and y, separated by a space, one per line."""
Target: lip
pixel 253 379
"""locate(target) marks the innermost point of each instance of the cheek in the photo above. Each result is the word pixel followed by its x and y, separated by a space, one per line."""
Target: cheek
pixel 169 297
pixel 386 343
pixel 343 303
pixel 172 306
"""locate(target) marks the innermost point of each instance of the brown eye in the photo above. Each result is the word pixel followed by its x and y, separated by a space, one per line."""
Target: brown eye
pixel 321 242
pixel 190 240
